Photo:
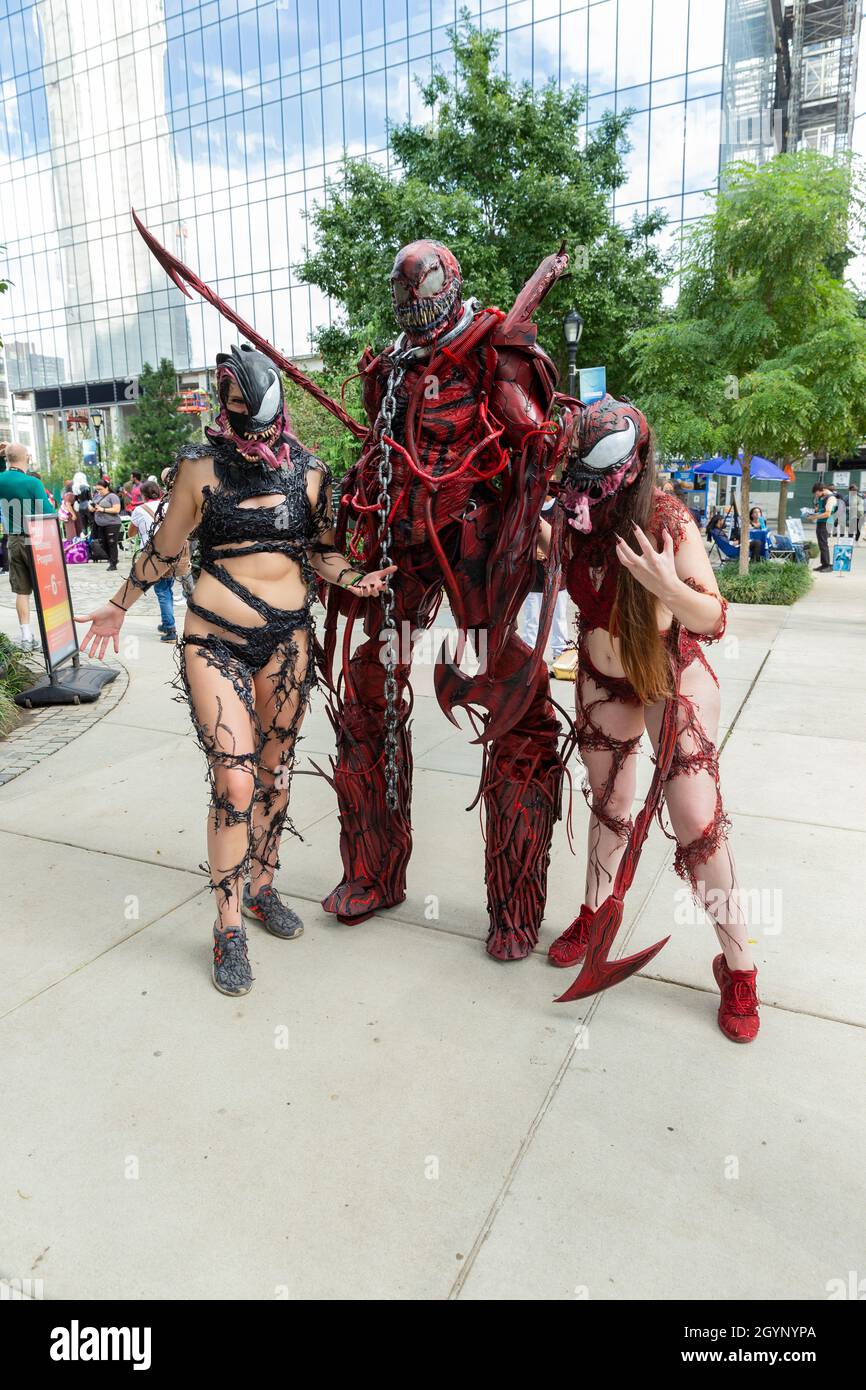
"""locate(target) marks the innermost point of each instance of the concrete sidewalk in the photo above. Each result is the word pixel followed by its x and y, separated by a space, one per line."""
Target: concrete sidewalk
pixel 391 1114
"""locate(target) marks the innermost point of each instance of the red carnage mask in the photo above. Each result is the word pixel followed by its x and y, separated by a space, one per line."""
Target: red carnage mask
pixel 426 290
pixel 610 447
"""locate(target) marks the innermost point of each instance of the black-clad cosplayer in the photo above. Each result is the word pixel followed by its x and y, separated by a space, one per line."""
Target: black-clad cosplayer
pixel 261 506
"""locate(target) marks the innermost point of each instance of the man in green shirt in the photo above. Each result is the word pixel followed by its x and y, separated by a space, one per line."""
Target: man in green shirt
pixel 21 495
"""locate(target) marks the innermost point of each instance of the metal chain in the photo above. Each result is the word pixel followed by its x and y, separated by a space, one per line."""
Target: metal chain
pixel 389 626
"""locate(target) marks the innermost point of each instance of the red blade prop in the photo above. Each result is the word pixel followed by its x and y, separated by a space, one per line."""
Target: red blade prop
pixel 542 279
pixel 598 972
pixel 180 273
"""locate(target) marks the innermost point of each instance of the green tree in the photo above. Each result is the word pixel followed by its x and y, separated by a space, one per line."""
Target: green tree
pixel 502 174
pixel 317 428
pixel 62 461
pixel 765 350
pixel 156 431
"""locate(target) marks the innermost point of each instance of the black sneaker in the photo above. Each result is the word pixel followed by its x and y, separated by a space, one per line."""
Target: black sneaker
pixel 170 635
pixel 231 965
pixel 823 569
pixel 267 908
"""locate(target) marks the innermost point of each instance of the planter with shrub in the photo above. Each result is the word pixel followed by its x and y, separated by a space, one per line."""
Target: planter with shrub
pixel 766 581
pixel 15 675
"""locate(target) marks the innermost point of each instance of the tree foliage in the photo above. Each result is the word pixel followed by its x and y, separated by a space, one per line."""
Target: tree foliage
pixel 156 431
pixel 319 431
pixel 765 350
pixel 503 174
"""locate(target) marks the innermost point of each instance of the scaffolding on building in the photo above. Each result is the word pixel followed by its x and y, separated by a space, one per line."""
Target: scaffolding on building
pixel 790 76
pixel 824 42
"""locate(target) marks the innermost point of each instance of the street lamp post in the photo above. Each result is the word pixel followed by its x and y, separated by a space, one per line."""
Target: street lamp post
pixel 572 329
pixel 96 421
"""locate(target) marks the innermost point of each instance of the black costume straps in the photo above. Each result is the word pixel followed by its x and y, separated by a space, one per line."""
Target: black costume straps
pixel 248 692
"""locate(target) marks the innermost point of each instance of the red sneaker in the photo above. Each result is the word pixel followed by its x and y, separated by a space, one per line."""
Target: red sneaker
pixel 738 1011
pixel 570 948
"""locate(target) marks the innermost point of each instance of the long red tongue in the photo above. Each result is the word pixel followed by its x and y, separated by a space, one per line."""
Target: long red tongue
pixel 580 521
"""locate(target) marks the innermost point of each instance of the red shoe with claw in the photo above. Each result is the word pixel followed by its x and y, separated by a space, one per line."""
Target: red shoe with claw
pixel 570 948
pixel 738 1011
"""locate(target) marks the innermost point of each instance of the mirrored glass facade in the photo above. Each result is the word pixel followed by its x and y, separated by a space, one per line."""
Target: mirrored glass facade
pixel 220 122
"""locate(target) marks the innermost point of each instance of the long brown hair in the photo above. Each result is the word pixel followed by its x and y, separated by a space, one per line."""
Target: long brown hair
pixel 634 619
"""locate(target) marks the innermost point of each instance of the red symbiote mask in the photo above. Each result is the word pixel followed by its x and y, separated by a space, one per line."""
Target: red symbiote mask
pixel 426 290
pixel 609 449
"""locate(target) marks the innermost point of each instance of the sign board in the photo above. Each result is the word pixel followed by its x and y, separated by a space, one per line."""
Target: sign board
pixel 841 479
pixel 88 452
pixel 593 384
pixel 794 527
pixel 843 555
pixel 51 590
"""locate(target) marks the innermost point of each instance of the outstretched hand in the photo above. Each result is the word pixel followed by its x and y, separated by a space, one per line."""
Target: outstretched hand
pixel 654 569
pixel 105 627
pixel 373 583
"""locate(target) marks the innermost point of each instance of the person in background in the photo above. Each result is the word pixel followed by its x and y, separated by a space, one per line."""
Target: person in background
pixel 855 510
pixel 532 603
pixel 133 494
pixel 184 564
pixel 4 539
pixel 824 504
pixel 81 489
pixel 141 525
pixel 67 512
pixel 756 523
pixel 106 521
pixel 839 524
pixel 22 495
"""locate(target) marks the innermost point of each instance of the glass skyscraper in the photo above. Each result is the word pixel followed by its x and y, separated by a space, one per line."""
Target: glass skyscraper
pixel 220 123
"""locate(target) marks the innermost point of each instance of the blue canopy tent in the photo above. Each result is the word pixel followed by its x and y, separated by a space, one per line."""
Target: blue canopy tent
pixel 761 469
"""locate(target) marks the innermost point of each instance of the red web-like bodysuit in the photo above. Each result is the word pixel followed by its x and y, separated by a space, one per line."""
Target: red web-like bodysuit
pixel 610 723
pixel 470 465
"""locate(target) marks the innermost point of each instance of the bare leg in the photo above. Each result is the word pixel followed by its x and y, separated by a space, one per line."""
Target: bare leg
pixel 282 695
pixel 220 691
pixel 694 803
pixel 609 733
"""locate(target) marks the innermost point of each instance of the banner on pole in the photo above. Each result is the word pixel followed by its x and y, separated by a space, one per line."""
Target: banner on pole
pixel 51 591
pixel 593 384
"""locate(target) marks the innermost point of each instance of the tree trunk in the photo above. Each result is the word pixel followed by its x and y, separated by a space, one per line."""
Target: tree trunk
pixel 744 513
pixel 782 518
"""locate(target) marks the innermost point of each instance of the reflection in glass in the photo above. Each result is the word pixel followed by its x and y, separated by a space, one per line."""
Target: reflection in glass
pixel 635 41
pixel 219 119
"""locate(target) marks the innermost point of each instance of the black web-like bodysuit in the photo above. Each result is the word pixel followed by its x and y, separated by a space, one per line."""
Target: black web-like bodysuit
pixel 232 666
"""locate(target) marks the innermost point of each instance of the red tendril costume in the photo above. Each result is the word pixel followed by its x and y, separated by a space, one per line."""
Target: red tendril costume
pixel 608 447
pixel 449 487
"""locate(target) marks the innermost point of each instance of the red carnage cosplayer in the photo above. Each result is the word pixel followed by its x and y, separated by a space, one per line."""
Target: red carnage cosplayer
pixel 636 567
pixel 449 488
